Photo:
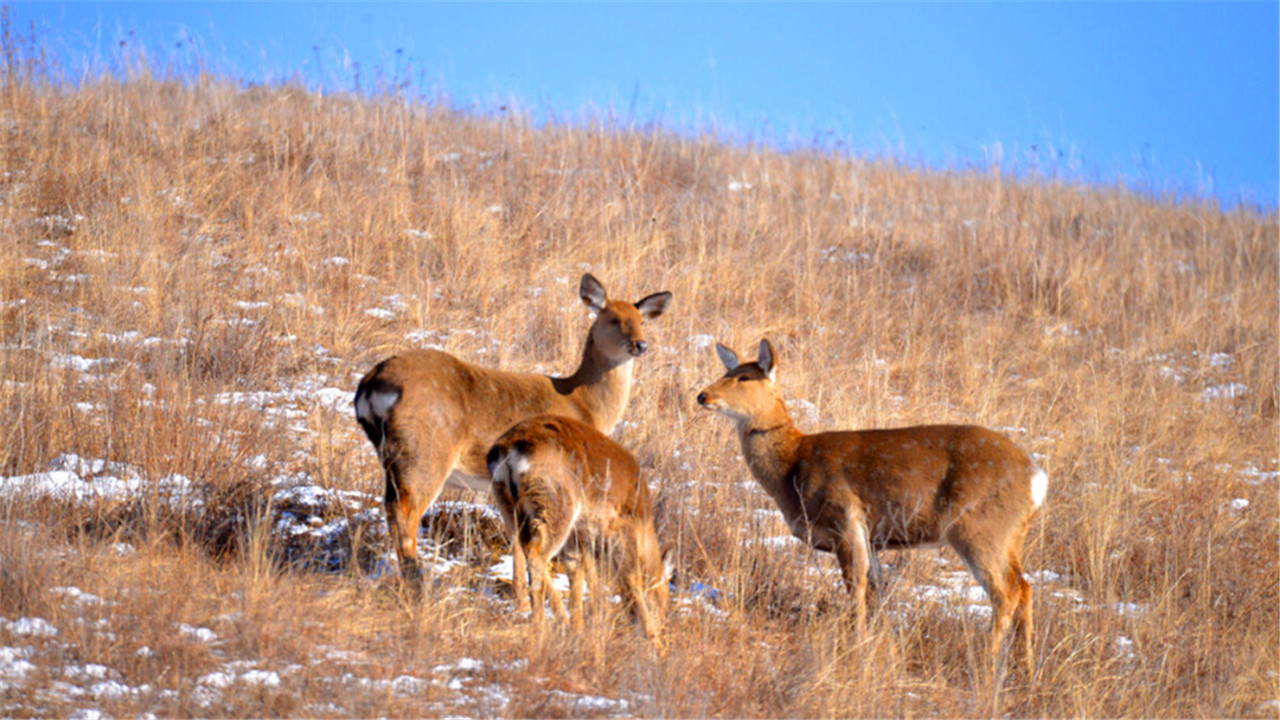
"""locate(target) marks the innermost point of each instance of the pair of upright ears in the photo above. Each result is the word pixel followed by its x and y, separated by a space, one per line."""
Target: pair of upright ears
pixel 765 359
pixel 592 293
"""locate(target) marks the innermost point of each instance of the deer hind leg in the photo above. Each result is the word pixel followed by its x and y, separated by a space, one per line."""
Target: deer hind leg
pixel 591 574
pixel 412 485
pixel 1020 592
pixel 548 539
pixel 991 569
pixel 539 549
pixel 519 574
pixel 538 581
pixel 557 602
pixel 574 562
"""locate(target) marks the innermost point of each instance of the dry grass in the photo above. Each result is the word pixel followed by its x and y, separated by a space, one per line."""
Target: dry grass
pixel 1096 326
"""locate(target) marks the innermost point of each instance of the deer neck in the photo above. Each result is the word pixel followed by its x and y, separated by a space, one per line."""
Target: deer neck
pixel 770 445
pixel 601 384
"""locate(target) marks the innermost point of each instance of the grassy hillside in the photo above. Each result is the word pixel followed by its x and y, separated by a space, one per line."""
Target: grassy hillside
pixel 193 277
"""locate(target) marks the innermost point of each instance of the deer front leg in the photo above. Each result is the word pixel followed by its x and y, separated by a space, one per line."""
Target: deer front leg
pixel 635 588
pixel 854 556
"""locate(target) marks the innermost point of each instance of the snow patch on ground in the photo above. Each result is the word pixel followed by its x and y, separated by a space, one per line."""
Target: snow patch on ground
pixel 75 479
pixel 29 627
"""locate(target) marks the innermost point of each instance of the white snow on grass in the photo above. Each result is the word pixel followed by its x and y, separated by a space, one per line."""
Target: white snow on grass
pixel 260 678
pixel 336 399
pixel 576 702
pixel 1123 646
pixel 465 665
pixel 14 665
pixel 389 308
pixel 61 361
pixel 1128 609
pixel 29 627
pixel 504 570
pixel 291 403
pixel 776 542
pixel 701 341
pixel 111 690
pixel 436 339
pixel 76 595
pixel 1252 475
pixel 837 254
pixel 79 480
pixel 1224 391
pixel 90 671
pixel 199 634
pixel 689 603
pixel 461 507
pixel 316 498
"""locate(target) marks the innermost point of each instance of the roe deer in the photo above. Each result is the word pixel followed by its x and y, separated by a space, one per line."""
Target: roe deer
pixel 432 417
pixel 566 489
pixel 853 493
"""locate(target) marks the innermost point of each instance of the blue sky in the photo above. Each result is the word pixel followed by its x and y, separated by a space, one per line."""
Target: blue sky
pixel 1181 97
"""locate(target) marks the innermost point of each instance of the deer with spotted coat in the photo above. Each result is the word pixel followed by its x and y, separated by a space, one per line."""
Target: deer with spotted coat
pixel 432 417
pixel 853 493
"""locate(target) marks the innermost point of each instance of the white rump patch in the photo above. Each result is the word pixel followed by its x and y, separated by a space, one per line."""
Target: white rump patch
pixel 519 464
pixel 1039 487
pixel 375 406
pixel 511 468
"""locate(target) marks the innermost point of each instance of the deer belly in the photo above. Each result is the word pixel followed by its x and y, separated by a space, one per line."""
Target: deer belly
pixel 813 535
pixel 905 535
pixel 460 480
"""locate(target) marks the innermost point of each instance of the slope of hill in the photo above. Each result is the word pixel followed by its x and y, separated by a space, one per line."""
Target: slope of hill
pixel 193 276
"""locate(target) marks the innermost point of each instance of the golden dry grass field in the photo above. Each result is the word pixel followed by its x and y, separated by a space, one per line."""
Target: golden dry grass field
pixel 194 275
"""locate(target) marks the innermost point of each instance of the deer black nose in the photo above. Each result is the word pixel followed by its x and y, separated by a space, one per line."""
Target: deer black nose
pixel 702 398
pixel 641 346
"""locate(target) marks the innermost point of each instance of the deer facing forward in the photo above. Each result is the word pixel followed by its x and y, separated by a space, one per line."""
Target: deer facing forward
pixel 566 489
pixel 432 417
pixel 853 493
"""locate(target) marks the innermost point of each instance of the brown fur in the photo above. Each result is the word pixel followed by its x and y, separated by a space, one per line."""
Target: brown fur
pixel 566 489
pixel 852 493
pixel 432 417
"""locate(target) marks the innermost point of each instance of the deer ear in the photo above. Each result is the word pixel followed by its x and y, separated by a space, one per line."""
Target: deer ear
pixel 592 292
pixel 766 360
pixel 727 356
pixel 654 305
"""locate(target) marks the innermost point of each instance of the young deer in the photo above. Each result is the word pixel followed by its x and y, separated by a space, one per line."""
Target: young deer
pixel 566 489
pixel 853 493
pixel 432 417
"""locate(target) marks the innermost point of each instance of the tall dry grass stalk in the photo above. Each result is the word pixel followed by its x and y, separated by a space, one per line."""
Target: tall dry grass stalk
pixel 167 244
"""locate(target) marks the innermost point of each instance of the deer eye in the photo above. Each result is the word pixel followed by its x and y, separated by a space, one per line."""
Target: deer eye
pixel 742 378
